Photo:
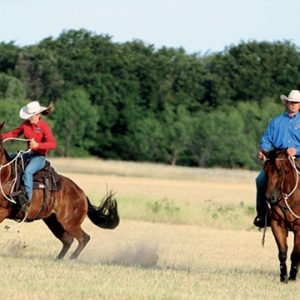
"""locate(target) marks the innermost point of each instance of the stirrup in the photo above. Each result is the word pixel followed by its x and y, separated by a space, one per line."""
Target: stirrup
pixel 24 207
pixel 23 202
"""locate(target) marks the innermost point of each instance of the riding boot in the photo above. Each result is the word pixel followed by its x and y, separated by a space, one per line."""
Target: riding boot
pixel 261 206
pixel 259 220
pixel 24 202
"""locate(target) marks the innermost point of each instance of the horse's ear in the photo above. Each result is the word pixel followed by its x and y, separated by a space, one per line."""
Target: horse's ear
pixel 1 126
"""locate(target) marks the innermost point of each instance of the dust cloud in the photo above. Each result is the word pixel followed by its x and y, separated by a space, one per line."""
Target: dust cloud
pixel 142 253
pixel 15 248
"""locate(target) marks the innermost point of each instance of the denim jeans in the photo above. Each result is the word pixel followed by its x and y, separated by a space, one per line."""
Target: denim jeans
pixel 35 163
pixel 261 188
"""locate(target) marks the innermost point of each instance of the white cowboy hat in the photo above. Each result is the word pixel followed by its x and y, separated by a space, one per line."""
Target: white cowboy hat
pixel 294 96
pixel 31 109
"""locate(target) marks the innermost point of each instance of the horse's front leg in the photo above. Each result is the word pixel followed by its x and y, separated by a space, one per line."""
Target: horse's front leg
pixel 280 235
pixel 283 269
pixel 295 256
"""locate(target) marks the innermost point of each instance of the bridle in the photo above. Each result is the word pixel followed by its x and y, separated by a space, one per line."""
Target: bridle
pixel 285 196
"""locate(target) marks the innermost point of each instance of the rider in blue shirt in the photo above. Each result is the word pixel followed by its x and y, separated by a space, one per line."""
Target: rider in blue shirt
pixel 283 132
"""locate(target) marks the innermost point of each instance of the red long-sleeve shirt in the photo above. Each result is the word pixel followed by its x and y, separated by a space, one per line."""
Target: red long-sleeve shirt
pixel 40 132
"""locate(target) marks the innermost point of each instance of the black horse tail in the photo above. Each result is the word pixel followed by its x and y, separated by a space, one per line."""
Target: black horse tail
pixel 106 215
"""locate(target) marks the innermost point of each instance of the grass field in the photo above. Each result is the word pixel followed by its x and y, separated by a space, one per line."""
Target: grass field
pixel 184 234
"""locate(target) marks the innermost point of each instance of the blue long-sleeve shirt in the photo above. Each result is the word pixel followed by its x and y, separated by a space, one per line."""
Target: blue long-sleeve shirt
pixel 283 132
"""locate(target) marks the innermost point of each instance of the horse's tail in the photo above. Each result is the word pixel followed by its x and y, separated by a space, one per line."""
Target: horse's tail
pixel 106 215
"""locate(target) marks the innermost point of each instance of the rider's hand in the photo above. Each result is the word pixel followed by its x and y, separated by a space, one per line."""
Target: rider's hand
pixel 261 156
pixel 291 151
pixel 33 144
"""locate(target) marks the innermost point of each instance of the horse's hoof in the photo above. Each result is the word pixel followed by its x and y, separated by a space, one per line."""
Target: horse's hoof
pixel 292 279
pixel 285 279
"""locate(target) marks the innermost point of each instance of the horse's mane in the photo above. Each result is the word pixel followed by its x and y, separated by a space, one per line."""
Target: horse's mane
pixel 274 153
pixel 6 155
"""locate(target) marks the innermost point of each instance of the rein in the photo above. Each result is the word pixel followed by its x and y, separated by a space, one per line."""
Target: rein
pixel 286 196
pixel 14 160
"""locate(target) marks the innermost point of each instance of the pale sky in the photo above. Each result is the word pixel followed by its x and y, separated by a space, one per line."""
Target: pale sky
pixel 201 26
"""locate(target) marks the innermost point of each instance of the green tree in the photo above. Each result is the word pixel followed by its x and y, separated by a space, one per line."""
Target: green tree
pixel 38 69
pixel 166 138
pixel 148 137
pixel 256 119
pixel 9 55
pixel 252 71
pixel 219 140
pixel 177 128
pixel 11 87
pixel 9 112
pixel 86 60
pixel 75 124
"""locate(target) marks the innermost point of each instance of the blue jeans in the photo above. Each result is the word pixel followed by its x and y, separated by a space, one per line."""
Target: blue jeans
pixel 35 163
pixel 261 188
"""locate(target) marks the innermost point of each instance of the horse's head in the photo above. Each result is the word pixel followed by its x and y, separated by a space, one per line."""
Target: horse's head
pixel 276 167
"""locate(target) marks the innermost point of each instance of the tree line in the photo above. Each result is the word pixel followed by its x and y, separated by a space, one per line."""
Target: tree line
pixel 130 101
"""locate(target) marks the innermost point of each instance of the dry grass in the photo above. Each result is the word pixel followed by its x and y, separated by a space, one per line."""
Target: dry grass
pixel 226 203
pixel 193 263
pixel 148 260
pixel 147 170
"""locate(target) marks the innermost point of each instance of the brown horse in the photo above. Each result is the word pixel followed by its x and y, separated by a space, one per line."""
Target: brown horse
pixel 64 211
pixel 283 196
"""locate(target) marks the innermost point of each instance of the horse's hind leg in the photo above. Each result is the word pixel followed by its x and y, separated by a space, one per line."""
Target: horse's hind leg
pixel 60 233
pixel 72 222
pixel 82 238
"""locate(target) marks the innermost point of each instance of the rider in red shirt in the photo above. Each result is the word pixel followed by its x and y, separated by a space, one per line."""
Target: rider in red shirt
pixel 41 140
